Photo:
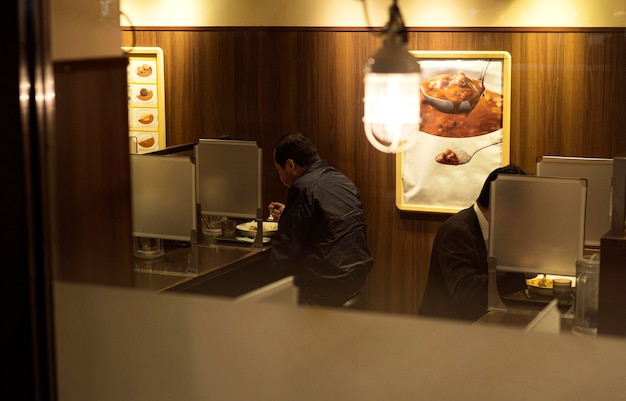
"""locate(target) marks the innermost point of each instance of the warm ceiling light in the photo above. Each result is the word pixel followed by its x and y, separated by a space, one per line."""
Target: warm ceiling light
pixel 391 101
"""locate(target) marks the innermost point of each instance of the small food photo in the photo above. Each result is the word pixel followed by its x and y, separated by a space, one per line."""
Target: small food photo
pixel 146 141
pixel 143 94
pixel 143 118
pixel 143 69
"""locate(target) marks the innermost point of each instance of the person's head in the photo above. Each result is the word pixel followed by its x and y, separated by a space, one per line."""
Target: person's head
pixel 485 193
pixel 293 154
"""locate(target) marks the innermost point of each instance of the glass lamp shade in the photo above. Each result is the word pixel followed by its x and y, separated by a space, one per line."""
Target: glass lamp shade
pixel 391 110
pixel 391 114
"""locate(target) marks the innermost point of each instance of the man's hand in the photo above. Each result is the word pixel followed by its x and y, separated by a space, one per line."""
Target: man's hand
pixel 276 209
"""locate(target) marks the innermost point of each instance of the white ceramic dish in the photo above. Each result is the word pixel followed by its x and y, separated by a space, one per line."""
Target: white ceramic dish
pixel 534 287
pixel 249 229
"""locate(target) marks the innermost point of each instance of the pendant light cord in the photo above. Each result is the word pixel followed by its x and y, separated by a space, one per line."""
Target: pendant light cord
pixel 395 25
pixel 132 30
pixel 367 18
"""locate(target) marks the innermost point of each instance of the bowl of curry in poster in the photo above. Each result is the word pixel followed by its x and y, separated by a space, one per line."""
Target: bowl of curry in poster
pixel 484 118
pixel 459 86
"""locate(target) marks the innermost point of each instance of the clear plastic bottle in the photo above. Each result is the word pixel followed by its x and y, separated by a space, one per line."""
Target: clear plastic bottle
pixel 587 286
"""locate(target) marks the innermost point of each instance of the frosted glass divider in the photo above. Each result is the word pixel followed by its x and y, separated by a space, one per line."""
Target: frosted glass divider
pixel 546 321
pixel 598 172
pixel 163 197
pixel 228 174
pixel 537 224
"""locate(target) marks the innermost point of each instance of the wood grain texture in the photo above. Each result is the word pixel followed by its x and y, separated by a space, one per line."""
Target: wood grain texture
pixel 90 174
pixel 558 90
pixel 567 99
pixel 614 99
pixel 200 94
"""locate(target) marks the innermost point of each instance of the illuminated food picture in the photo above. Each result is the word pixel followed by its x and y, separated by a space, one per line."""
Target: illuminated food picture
pixel 146 141
pixel 454 89
pixel 484 118
pixel 145 94
pixel 146 118
pixel 144 70
pixel 448 156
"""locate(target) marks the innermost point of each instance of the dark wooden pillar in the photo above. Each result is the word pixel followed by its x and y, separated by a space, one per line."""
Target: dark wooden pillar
pixel 90 169
pixel 612 294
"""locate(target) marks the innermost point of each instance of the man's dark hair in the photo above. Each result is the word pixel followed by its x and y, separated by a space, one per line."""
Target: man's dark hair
pixel 485 193
pixel 296 147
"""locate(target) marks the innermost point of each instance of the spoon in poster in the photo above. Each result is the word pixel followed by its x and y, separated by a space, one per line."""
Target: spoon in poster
pixel 455 157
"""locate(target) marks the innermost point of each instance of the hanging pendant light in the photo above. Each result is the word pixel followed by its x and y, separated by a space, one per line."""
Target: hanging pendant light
pixel 391 98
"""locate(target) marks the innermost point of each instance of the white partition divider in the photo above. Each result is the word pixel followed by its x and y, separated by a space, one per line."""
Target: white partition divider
pixel 598 172
pixel 546 321
pixel 164 205
pixel 163 197
pixel 228 175
pixel 537 224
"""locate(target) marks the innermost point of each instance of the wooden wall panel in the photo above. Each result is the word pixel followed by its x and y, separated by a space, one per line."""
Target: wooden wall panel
pixel 200 84
pixel 90 174
pixel 457 41
pixel 567 99
pixel 201 93
pixel 557 89
pixel 614 100
pixel 346 147
pixel 342 57
pixel 276 93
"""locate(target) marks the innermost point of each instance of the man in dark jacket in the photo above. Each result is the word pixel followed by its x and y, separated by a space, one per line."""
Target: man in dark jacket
pixel 321 232
pixel 457 278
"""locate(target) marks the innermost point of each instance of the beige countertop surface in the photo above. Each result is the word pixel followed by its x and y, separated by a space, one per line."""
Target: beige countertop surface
pixel 124 344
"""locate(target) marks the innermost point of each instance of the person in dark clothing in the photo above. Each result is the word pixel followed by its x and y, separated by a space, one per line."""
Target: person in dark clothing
pixel 321 229
pixel 457 278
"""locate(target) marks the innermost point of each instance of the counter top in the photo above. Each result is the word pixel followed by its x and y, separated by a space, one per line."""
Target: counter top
pixel 523 307
pixel 120 344
pixel 174 271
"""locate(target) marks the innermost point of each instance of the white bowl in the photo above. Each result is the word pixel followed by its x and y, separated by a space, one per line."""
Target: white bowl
pixel 249 229
pixel 534 284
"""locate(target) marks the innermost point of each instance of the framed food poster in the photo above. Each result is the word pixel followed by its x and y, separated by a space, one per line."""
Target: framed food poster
pixel 463 134
pixel 146 99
